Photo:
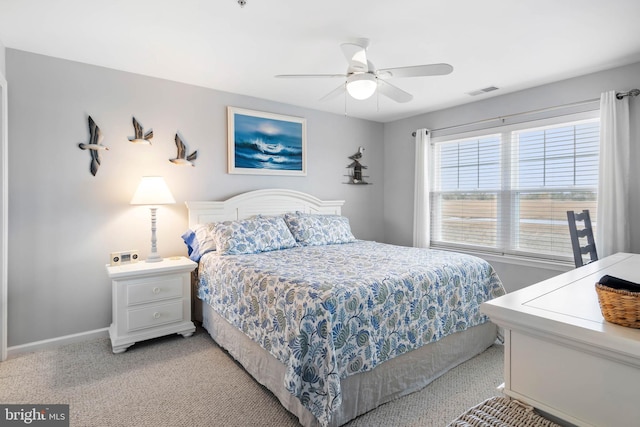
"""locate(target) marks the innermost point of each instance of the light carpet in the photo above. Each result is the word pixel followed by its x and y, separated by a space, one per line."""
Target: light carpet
pixel 176 381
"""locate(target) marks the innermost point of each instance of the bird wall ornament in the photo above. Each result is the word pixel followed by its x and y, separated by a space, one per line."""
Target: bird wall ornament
pixel 94 146
pixel 358 154
pixel 140 137
pixel 182 159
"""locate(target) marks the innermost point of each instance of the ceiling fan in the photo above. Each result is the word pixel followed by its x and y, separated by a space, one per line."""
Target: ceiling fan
pixel 362 78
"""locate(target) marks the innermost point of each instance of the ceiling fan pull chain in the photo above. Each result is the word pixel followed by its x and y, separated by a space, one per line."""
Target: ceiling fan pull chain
pixel 345 100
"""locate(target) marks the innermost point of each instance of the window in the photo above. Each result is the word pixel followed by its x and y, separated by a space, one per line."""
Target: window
pixel 508 190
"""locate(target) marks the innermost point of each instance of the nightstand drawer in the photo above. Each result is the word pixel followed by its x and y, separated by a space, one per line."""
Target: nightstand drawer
pixel 155 290
pixel 154 316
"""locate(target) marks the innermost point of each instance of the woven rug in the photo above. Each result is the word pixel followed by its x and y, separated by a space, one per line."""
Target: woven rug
pixel 501 412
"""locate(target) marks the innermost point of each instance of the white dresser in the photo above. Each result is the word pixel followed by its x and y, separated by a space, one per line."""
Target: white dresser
pixel 562 357
pixel 150 300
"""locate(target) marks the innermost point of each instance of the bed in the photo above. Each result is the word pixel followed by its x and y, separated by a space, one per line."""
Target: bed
pixel 332 325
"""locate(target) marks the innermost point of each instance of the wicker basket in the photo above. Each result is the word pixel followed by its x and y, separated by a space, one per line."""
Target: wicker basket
pixel 619 306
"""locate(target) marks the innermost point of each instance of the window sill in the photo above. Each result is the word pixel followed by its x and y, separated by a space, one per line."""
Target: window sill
pixel 554 265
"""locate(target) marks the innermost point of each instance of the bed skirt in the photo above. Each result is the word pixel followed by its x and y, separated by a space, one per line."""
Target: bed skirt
pixel 361 392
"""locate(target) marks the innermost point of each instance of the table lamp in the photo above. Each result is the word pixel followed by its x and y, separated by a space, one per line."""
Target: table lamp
pixel 153 191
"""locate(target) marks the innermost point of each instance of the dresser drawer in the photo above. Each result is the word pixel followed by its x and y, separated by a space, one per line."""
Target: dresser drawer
pixel 153 316
pixel 154 290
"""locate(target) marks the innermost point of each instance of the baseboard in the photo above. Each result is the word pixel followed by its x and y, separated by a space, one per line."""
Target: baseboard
pixel 57 342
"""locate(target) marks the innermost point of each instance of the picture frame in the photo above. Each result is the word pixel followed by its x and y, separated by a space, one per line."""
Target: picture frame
pixel 261 143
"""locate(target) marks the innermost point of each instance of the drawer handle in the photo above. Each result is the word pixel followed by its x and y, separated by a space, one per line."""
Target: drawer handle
pixel 156 290
pixel 156 315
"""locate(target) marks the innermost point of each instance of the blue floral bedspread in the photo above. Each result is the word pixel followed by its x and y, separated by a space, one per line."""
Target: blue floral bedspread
pixel 330 311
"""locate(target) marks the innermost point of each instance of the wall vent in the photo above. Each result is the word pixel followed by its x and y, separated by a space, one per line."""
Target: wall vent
pixel 483 90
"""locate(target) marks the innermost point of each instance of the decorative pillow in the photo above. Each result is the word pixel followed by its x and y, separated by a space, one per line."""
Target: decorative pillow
pixel 199 240
pixel 315 229
pixel 250 236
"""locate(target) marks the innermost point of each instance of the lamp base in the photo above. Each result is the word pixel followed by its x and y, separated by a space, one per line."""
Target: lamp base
pixel 154 257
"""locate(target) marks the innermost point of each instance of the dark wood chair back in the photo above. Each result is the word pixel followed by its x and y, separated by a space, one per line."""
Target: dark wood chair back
pixel 580 228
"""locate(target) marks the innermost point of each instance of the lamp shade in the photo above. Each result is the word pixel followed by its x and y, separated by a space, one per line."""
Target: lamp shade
pixel 361 86
pixel 152 190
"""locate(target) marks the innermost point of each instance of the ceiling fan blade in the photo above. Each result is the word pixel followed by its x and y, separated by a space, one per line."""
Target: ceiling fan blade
pixel 334 93
pixel 417 71
pixel 309 76
pixel 393 92
pixel 356 56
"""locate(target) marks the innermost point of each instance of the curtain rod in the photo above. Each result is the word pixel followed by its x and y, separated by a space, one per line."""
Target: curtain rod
pixel 633 92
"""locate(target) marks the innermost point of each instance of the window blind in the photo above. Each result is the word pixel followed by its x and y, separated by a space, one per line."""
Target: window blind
pixel 466 193
pixel 554 169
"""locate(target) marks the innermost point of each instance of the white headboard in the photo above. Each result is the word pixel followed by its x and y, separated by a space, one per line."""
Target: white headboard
pixel 265 202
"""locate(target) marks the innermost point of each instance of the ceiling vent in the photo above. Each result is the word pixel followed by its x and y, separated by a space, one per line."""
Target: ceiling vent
pixel 483 90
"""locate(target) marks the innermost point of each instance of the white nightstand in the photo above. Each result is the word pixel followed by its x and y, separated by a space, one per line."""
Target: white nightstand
pixel 150 300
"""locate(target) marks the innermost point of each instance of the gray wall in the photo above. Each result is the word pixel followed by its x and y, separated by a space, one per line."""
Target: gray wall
pixel 399 151
pixel 3 68
pixel 64 222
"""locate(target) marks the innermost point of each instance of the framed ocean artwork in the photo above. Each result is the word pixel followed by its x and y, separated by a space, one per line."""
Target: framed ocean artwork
pixel 262 143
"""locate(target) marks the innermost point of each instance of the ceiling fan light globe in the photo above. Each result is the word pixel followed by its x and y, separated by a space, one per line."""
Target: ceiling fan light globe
pixel 361 86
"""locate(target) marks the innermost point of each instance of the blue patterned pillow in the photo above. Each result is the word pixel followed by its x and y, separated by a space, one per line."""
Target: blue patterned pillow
pixel 199 241
pixel 315 229
pixel 250 236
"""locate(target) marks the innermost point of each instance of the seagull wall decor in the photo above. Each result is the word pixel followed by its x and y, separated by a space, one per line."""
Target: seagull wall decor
pixel 182 159
pixel 140 137
pixel 94 146
pixel 358 154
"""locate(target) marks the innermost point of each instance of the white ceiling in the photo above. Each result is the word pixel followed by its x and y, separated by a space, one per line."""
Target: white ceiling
pixel 217 44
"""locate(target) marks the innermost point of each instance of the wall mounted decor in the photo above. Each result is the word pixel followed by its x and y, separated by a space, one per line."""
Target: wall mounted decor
pixel 140 137
pixel 266 144
pixel 355 168
pixel 94 146
pixel 182 159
